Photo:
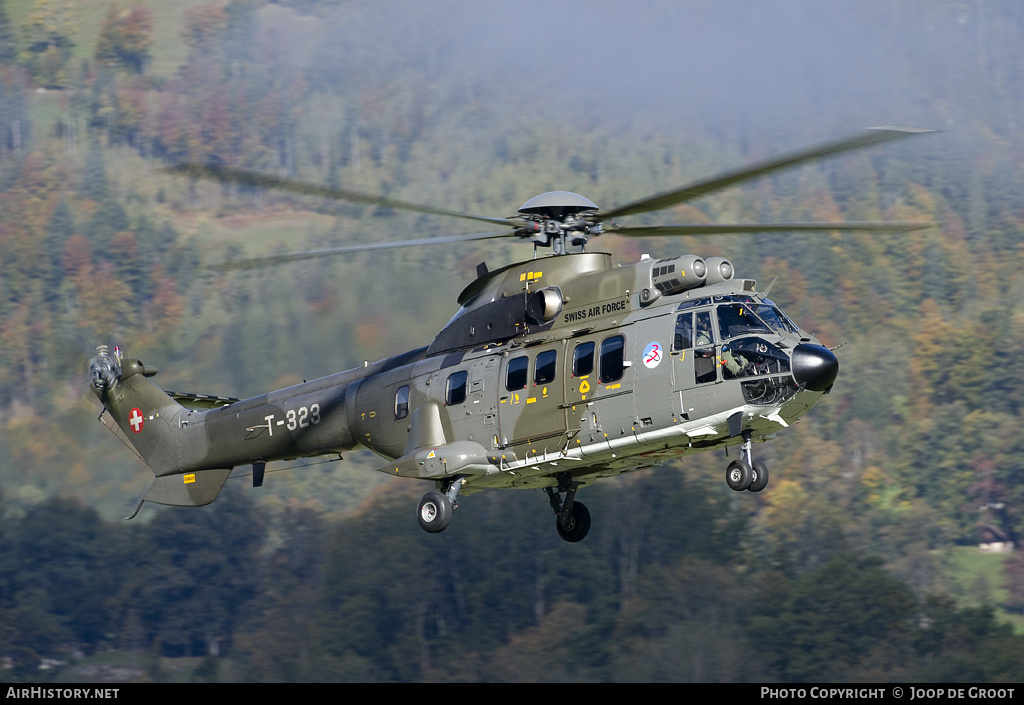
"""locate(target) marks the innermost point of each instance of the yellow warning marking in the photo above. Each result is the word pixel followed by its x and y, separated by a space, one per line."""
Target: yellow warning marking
pixel 531 400
pixel 613 386
pixel 190 478
pixel 584 387
pixel 431 454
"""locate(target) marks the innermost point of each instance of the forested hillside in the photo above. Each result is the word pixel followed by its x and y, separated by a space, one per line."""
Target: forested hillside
pixel 858 561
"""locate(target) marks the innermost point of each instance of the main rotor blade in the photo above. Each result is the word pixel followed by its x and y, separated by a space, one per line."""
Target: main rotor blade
pixel 223 174
pixel 330 251
pixel 874 135
pixel 887 226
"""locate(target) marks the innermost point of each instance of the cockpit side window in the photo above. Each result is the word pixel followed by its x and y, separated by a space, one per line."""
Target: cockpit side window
pixel 704 333
pixel 704 368
pixel 751 357
pixel 683 338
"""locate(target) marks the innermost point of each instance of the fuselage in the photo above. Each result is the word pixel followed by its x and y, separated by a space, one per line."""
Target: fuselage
pixel 563 364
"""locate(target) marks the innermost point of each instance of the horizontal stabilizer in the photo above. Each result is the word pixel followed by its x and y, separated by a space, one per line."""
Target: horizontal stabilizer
pixel 193 489
pixel 200 402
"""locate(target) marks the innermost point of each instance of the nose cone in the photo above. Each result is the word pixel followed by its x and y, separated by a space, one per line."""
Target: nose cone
pixel 814 367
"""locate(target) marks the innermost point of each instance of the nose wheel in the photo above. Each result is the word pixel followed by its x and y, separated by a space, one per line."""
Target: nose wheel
pixel 739 475
pixel 744 474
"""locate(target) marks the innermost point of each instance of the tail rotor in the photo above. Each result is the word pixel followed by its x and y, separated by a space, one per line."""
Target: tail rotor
pixel 104 369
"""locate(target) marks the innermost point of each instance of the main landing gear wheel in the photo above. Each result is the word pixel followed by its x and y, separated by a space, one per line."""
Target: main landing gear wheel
pixel 576 525
pixel 435 512
pixel 572 519
pixel 739 475
pixel 760 480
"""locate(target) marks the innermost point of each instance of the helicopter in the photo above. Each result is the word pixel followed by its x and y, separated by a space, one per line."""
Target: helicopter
pixel 554 372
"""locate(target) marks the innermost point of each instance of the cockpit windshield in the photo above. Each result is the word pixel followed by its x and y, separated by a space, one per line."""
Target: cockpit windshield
pixel 739 315
pixel 737 319
pixel 773 316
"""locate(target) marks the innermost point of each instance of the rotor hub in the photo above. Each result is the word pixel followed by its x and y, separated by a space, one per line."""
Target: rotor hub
pixel 555 220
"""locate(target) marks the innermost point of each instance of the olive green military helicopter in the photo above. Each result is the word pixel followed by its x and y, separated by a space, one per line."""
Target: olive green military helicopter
pixel 555 372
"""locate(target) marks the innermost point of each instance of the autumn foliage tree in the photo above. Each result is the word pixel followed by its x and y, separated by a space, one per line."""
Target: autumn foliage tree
pixel 125 38
pixel 47 44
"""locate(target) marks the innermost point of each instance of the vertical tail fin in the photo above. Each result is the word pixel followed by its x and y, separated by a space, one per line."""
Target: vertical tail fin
pixel 144 413
pixel 152 423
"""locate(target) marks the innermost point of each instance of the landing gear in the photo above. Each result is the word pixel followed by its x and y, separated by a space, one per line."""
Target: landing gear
pixel 739 475
pixel 760 480
pixel 744 474
pixel 576 526
pixel 572 518
pixel 435 510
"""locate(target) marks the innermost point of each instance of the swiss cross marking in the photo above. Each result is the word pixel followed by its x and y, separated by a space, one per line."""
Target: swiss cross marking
pixel 135 420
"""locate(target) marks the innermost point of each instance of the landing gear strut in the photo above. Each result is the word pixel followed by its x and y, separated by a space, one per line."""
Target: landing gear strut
pixel 745 474
pixel 572 518
pixel 435 509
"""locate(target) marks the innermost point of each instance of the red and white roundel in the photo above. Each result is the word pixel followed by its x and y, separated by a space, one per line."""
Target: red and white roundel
pixel 652 355
pixel 136 420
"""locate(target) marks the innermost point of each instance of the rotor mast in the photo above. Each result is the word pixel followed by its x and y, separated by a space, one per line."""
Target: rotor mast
pixel 558 219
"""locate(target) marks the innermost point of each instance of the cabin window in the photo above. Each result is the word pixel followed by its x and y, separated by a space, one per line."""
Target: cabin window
pixel 583 359
pixel 455 390
pixel 402 402
pixel 517 373
pixel 612 359
pixel 544 372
